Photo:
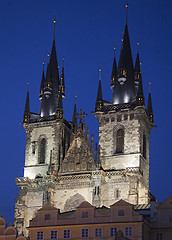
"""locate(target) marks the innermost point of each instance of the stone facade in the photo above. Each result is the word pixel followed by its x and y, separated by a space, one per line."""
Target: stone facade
pixel 60 166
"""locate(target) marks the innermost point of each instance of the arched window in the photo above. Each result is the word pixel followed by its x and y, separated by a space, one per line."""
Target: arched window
pixel 144 146
pixel 42 151
pixel 119 141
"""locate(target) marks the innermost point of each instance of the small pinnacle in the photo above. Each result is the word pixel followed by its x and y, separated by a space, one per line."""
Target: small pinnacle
pixel 75 98
pixel 114 50
pixel 126 12
pixel 138 47
pixel 28 86
pixel 149 87
pixel 100 74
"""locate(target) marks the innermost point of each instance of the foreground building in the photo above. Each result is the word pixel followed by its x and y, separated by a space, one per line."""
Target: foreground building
pixel 89 222
pixel 60 166
pixel 121 221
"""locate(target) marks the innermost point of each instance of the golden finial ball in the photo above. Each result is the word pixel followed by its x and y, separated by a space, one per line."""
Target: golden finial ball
pixel 54 21
pixel 126 5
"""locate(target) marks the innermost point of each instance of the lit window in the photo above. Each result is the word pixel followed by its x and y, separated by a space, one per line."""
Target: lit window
pixel 84 214
pixel 84 233
pixel 113 231
pixel 121 212
pixel 129 231
pixel 47 216
pixel 66 234
pixel 39 235
pixel 53 234
pixel 98 232
pixel 159 236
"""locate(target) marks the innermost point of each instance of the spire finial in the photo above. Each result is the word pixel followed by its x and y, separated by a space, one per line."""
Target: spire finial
pixel 48 57
pixel 138 47
pixel 114 50
pixel 100 74
pixel 75 98
pixel 27 86
pixel 54 29
pixel 149 87
pixel 126 12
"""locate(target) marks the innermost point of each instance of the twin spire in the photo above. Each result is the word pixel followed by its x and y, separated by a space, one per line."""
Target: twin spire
pixel 126 80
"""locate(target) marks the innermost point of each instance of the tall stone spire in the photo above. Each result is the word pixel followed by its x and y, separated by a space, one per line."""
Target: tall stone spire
pixel 50 94
pixel 42 84
pixel 62 82
pixel 149 106
pixel 54 66
pixel 114 72
pixel 124 90
pixel 99 100
pixel 26 116
pixel 138 79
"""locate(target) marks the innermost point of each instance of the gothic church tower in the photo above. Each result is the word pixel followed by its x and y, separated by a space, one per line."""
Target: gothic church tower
pixel 124 128
pixel 60 166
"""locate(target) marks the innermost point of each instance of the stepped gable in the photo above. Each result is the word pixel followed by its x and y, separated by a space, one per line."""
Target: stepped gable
pixel 79 156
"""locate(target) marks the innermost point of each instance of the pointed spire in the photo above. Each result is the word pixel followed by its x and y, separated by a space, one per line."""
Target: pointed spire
pixel 62 83
pixel 26 116
pixel 124 88
pixel 54 29
pixel 126 12
pixel 149 106
pixel 74 119
pixel 60 106
pixel 54 66
pixel 47 82
pixel 114 71
pixel 99 101
pixel 42 84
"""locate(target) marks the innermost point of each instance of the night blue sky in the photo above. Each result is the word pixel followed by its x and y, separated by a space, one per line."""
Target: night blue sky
pixel 86 32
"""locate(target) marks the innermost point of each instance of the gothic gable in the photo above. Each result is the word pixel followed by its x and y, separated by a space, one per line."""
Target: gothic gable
pixel 79 156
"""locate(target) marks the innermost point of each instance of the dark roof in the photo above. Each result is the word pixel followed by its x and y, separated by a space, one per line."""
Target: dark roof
pixel 149 106
pixel 42 81
pixel 27 104
pixel 48 77
pixel 124 93
pixel 99 93
pixel 114 68
pixel 137 64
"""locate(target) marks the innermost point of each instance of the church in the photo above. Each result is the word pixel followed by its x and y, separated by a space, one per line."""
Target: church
pixel 61 166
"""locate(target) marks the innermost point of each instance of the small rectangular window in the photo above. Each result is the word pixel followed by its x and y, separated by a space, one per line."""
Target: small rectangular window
pixel 66 234
pixel 159 236
pixel 84 214
pixel 119 118
pixel 170 218
pixel 131 116
pixel 129 231
pixel 53 234
pixel 98 232
pixel 121 212
pixel 84 233
pixel 39 235
pixel 113 231
pixel 125 117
